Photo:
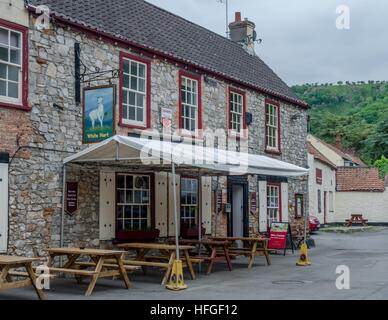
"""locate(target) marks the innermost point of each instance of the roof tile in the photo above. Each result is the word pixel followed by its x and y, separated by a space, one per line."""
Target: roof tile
pixel 359 179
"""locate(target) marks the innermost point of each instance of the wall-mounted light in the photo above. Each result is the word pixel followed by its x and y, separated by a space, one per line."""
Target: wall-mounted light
pixel 249 118
pixel 296 117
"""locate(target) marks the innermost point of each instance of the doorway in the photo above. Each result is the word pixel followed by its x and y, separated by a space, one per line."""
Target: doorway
pixel 237 210
pixel 325 207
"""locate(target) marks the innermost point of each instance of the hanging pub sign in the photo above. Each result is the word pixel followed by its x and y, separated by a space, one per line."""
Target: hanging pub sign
pixel 71 197
pixel 166 118
pixel 253 202
pixel 280 236
pixel 98 113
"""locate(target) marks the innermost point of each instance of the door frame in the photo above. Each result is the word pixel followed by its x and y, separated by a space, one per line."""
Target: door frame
pixel 324 207
pixel 241 181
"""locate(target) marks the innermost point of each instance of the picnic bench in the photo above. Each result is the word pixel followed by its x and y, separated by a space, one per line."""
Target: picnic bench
pixel 7 263
pixel 163 260
pixel 252 247
pixel 356 219
pixel 101 264
pixel 215 251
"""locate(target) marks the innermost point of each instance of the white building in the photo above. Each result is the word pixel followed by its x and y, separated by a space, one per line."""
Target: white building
pixel 322 183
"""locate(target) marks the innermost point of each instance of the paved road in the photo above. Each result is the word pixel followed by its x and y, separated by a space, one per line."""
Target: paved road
pixel 366 254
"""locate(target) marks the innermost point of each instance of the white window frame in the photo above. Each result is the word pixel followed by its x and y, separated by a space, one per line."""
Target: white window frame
pixel 7 99
pixel 184 214
pixel 273 204
pixel 126 89
pixel 236 111
pixel 194 104
pixel 126 189
pixel 272 127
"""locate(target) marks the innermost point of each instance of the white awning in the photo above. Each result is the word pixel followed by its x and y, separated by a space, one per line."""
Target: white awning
pixel 160 154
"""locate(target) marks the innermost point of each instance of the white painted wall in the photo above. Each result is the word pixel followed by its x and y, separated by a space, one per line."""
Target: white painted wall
pixel 3 207
pixel 326 151
pixel 328 185
pixel 15 13
pixel 372 205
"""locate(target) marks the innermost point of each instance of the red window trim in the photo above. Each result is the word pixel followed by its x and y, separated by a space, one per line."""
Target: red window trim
pixel 24 31
pixel 124 55
pixel 152 193
pixel 279 185
pixel 279 151
pixel 244 116
pixel 198 78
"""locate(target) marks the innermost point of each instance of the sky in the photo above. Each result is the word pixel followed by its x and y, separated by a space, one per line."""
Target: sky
pixel 301 41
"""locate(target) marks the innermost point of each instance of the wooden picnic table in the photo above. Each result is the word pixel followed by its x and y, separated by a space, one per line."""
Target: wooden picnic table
pixel 253 246
pixel 165 259
pixel 356 218
pixel 6 276
pixel 104 263
pixel 217 251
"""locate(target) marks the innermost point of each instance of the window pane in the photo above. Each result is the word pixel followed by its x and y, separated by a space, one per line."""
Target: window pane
pixel 141 85
pixel 3 71
pixel 4 54
pixel 131 114
pixel 4 36
pixel 125 81
pixel 132 98
pixel 139 115
pixel 13 73
pixel 13 90
pixel 133 68
pixel 126 66
pixel 129 182
pixel 3 90
pixel 140 100
pixel 142 70
pixel 125 97
pixel 120 181
pixel 133 83
pixel 15 56
pixel 15 39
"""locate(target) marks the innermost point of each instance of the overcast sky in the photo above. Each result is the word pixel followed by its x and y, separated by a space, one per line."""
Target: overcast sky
pixel 300 40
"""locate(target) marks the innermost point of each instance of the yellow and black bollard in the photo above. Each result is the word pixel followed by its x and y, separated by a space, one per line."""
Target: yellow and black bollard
pixel 304 258
pixel 176 282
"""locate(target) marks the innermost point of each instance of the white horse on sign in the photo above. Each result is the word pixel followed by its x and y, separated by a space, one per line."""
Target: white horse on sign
pixel 98 113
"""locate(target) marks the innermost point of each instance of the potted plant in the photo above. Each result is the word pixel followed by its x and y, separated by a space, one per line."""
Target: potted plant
pixel 191 231
pixel 146 234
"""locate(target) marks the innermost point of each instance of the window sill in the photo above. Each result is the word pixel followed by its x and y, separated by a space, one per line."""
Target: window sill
pixel 9 105
pixel 133 126
pixel 272 151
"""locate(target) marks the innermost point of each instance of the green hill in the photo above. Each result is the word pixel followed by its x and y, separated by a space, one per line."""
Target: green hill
pixel 358 111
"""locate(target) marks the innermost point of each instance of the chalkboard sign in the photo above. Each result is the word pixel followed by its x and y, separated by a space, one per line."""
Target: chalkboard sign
pixel 71 197
pixel 280 236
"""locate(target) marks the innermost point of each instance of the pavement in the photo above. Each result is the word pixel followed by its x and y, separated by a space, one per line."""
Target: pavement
pixel 365 253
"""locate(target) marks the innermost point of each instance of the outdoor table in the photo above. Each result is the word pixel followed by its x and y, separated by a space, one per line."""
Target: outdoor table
pixel 356 219
pixel 99 264
pixel 167 251
pixel 254 246
pixel 6 279
pixel 217 251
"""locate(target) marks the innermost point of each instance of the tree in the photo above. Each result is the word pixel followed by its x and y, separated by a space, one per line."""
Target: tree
pixel 382 165
pixel 376 145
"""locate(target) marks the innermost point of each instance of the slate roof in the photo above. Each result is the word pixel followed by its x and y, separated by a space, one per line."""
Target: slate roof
pixel 149 26
pixel 319 156
pixel 359 179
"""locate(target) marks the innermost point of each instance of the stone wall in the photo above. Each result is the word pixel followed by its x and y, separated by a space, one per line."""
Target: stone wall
pixel 53 130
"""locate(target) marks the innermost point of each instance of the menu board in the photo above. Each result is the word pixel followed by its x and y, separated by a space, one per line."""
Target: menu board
pixel 71 197
pixel 278 235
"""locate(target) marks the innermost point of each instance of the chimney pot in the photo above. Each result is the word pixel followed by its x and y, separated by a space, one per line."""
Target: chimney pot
pixel 237 16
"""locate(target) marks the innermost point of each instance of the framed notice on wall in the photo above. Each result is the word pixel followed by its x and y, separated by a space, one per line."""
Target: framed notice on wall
pixel 71 197
pixel 98 113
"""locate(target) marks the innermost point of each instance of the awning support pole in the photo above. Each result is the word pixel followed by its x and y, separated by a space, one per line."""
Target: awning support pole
pixel 175 211
pixel 63 206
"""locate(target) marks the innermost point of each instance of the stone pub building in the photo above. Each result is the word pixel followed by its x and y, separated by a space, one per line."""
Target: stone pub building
pixel 157 63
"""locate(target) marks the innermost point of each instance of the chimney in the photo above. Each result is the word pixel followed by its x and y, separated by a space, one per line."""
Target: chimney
pixel 338 141
pixel 243 32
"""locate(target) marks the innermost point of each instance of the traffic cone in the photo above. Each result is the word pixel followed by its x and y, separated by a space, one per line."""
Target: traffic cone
pixel 176 280
pixel 303 259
